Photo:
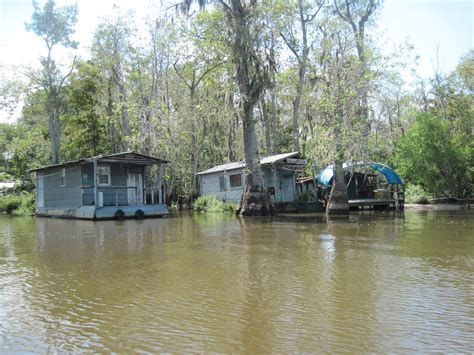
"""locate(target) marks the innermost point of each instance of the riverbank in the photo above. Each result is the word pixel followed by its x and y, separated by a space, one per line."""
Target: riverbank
pixel 439 206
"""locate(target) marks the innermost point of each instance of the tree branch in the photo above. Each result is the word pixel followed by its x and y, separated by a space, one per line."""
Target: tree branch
pixel 209 69
pixel 290 47
pixel 181 76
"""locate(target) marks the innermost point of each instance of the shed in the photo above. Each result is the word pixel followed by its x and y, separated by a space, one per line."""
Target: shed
pixel 226 182
pixel 375 184
pixel 100 187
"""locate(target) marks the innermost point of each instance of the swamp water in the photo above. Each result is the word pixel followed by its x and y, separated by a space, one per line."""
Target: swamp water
pixel 377 282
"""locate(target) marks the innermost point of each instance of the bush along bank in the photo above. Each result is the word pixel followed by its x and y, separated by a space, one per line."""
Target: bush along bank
pixel 210 204
pixel 18 203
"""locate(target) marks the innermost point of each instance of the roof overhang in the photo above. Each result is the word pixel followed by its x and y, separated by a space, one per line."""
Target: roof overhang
pixel 124 157
pixel 291 162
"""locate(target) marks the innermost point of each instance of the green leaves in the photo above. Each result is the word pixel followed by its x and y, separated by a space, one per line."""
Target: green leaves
pixel 54 25
pixel 427 156
pixel 84 119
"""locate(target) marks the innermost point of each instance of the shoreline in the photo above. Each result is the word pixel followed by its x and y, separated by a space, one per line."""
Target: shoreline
pixel 438 206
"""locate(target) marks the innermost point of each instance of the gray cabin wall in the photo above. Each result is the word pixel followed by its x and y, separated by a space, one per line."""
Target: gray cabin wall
pixel 211 185
pixel 88 184
pixel 67 196
pixel 118 177
pixel 283 181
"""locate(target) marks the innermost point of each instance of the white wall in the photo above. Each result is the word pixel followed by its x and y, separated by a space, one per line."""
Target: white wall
pixel 285 189
pixel 210 185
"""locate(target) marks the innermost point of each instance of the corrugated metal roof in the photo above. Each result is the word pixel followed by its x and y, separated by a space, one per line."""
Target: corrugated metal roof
pixel 271 159
pixel 100 157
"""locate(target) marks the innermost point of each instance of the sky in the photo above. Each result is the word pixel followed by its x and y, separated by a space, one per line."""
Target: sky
pixel 445 27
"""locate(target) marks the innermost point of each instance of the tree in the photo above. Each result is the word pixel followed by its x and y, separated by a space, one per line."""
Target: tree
pixel 111 50
pixel 252 78
pixel 300 47
pixel 426 156
pixel 357 13
pixel 84 118
pixel 55 26
pixel 245 33
pixel 27 145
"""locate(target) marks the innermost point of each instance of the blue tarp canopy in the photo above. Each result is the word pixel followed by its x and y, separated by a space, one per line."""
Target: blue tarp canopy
pixel 325 177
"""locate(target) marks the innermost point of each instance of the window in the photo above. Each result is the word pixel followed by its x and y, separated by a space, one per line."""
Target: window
pixel 235 180
pixel 222 182
pixel 62 178
pixel 103 172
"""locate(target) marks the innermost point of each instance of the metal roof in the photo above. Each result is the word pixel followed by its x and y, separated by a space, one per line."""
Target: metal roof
pixel 325 177
pixel 271 159
pixel 122 155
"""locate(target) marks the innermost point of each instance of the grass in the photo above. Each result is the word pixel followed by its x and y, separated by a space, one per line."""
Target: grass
pixel 211 204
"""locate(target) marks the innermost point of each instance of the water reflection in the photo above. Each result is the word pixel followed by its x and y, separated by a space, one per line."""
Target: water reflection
pixel 375 282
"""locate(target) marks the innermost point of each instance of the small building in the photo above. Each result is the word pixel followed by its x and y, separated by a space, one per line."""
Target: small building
pixel 226 182
pixel 100 187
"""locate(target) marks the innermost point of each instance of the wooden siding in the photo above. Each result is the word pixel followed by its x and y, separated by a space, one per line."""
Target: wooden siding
pixel 67 196
pixel 210 185
pixel 283 181
pixel 118 177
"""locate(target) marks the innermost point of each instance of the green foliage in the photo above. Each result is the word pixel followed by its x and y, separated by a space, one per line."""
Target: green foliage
pixel 27 205
pixel 20 204
pixel 54 25
pixel 84 125
pixel 211 204
pixel 427 157
pixel 415 194
pixel 24 144
pixel 175 94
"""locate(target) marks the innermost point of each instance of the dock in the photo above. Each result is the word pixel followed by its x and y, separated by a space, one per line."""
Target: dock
pixel 373 203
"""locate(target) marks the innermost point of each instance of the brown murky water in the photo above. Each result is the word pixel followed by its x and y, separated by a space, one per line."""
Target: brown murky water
pixel 216 283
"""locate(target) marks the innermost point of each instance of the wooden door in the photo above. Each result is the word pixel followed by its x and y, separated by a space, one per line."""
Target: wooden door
pixel 287 188
pixel 135 196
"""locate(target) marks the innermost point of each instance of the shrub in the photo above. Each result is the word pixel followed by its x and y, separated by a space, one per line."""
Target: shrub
pixel 416 194
pixel 427 156
pixel 27 205
pixel 22 204
pixel 212 204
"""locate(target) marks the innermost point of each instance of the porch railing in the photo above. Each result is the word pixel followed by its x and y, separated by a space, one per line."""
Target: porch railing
pixel 151 196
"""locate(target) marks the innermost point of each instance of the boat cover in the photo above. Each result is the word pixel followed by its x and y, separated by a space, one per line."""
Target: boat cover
pixel 325 177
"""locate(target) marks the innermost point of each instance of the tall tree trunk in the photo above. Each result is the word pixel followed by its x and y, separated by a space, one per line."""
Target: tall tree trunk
pixel 296 107
pixel 254 201
pixel 266 126
pixel 302 62
pixel 338 202
pixel 54 131
pixel 338 199
pixel 251 80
